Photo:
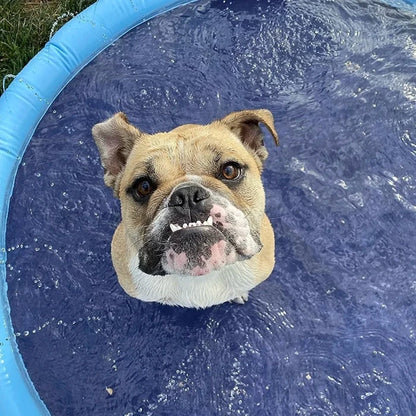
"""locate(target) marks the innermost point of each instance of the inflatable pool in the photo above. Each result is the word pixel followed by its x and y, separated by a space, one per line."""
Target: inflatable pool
pixel 332 331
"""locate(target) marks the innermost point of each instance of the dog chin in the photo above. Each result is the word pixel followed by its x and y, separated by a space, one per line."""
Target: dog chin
pixel 198 251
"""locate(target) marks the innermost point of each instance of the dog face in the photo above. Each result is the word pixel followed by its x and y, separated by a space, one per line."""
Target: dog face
pixel 192 200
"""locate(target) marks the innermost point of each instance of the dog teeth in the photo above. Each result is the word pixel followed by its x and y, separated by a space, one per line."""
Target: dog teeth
pixel 177 227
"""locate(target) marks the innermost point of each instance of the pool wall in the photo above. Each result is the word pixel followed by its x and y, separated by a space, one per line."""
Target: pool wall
pixel 22 106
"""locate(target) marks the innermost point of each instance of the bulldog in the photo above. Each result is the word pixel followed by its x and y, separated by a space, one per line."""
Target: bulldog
pixel 194 232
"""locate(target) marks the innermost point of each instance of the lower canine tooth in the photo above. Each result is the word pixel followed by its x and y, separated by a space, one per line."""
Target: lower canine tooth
pixel 174 227
pixel 209 221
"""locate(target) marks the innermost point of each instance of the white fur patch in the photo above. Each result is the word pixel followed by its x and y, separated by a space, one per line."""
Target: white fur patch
pixel 217 287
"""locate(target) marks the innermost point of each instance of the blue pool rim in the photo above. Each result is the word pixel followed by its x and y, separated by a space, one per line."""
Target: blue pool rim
pixel 22 106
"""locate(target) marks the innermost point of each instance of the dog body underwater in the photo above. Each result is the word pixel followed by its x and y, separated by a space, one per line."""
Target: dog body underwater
pixel 194 232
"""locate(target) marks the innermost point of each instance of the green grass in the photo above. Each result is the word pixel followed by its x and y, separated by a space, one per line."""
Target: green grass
pixel 25 27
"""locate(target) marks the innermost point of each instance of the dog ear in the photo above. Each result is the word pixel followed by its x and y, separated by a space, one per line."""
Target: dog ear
pixel 245 124
pixel 115 138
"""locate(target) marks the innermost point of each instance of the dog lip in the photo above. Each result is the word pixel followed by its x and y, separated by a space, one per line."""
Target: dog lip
pixel 176 227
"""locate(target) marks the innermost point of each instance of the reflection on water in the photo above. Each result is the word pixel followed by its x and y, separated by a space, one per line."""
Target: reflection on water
pixel 332 332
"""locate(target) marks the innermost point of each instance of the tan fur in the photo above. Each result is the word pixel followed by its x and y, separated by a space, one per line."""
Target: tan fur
pixel 186 150
pixel 120 253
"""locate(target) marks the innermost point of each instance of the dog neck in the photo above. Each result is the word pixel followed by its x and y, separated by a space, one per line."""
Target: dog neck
pixel 214 288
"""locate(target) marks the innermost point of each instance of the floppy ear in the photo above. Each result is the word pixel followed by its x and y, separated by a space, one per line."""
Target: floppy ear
pixel 245 124
pixel 114 138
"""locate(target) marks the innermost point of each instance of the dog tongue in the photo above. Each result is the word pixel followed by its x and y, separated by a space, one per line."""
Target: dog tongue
pixel 197 253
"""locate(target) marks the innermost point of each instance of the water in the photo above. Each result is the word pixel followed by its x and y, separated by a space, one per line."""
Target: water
pixel 333 330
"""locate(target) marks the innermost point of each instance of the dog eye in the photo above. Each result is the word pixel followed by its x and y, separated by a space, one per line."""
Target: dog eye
pixel 230 171
pixel 143 188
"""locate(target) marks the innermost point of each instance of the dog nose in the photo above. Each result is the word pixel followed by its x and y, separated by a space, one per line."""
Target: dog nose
pixel 187 197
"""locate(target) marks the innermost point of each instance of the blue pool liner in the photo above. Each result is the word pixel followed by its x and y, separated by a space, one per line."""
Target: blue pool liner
pixel 22 107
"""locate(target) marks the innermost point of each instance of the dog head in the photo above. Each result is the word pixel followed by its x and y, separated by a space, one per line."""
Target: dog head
pixel 192 200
